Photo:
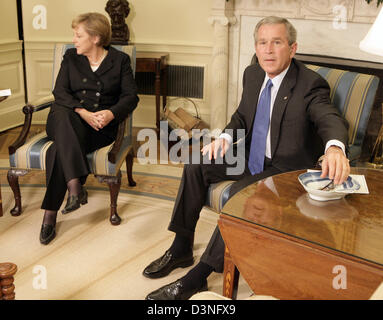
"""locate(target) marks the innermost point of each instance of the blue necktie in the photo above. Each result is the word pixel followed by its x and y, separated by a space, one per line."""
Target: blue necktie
pixel 260 129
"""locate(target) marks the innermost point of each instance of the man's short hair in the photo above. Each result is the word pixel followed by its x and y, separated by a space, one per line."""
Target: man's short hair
pixel 291 31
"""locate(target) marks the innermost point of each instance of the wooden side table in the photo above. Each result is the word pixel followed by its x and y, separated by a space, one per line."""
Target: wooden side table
pixel 155 62
pixel 7 288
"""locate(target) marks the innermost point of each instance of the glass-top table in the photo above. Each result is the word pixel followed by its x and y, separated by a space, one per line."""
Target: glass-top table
pixel 278 214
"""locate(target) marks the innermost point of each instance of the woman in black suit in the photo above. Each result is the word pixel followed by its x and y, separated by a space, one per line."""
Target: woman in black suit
pixel 94 91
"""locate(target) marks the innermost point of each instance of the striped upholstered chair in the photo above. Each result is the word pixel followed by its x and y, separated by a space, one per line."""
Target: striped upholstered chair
pixel 353 94
pixel 28 153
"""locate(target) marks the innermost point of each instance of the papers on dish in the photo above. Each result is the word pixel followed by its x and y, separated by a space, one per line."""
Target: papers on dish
pixel 5 93
pixel 358 178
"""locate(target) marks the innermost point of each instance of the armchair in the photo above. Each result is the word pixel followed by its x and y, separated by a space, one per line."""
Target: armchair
pixel 353 93
pixel 28 153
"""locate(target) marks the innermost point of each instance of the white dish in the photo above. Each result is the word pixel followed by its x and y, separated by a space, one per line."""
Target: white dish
pixel 313 183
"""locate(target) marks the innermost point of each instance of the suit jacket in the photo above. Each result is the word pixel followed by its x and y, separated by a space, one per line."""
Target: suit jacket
pixel 111 86
pixel 303 119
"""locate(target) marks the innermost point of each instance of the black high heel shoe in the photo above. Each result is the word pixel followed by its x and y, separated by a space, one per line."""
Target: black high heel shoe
pixel 47 233
pixel 74 202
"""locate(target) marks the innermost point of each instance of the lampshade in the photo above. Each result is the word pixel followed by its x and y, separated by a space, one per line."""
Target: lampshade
pixel 373 41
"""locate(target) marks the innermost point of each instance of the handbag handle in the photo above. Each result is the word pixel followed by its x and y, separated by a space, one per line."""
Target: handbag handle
pixel 190 100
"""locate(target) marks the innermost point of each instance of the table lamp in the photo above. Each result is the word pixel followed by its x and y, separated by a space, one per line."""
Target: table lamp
pixel 373 43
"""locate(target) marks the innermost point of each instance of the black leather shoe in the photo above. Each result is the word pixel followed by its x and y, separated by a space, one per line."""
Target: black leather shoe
pixel 175 291
pixel 73 202
pixel 167 263
pixel 47 233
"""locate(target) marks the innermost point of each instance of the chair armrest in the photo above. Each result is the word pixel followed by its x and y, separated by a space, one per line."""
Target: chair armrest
pixel 39 104
pixel 112 155
pixel 28 110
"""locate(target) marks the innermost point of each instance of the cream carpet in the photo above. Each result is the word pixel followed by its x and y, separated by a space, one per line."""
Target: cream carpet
pixel 90 258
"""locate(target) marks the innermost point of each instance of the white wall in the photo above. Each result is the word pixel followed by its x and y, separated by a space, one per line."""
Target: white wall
pixel 11 66
pixel 179 27
pixel 319 32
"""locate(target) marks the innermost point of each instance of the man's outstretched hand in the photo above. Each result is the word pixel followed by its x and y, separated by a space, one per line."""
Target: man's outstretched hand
pixel 217 147
pixel 335 165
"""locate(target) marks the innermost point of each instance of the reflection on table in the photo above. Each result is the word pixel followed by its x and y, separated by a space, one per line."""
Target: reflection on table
pixel 337 210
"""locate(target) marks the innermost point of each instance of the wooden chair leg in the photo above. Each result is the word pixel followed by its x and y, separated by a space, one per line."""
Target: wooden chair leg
pixel 129 168
pixel 114 184
pixel 13 180
pixel 114 188
pixel 7 288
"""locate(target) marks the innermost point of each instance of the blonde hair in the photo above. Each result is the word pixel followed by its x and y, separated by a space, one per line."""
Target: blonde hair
pixel 291 31
pixel 95 24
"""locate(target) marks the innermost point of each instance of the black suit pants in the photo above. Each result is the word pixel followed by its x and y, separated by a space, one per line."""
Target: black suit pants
pixel 192 195
pixel 66 159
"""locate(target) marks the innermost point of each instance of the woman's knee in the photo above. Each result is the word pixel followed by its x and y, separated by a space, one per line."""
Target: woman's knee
pixel 60 115
pixel 61 121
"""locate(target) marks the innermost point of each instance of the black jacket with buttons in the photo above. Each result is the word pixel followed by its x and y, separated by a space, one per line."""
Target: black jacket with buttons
pixel 111 86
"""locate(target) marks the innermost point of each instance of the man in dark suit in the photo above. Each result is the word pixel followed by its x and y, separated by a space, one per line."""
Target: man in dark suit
pixel 289 122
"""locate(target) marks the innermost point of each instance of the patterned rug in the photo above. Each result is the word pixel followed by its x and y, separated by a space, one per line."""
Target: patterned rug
pixel 90 258
pixel 157 181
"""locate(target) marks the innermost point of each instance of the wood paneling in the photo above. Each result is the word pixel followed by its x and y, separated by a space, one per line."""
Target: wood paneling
pixel 11 77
